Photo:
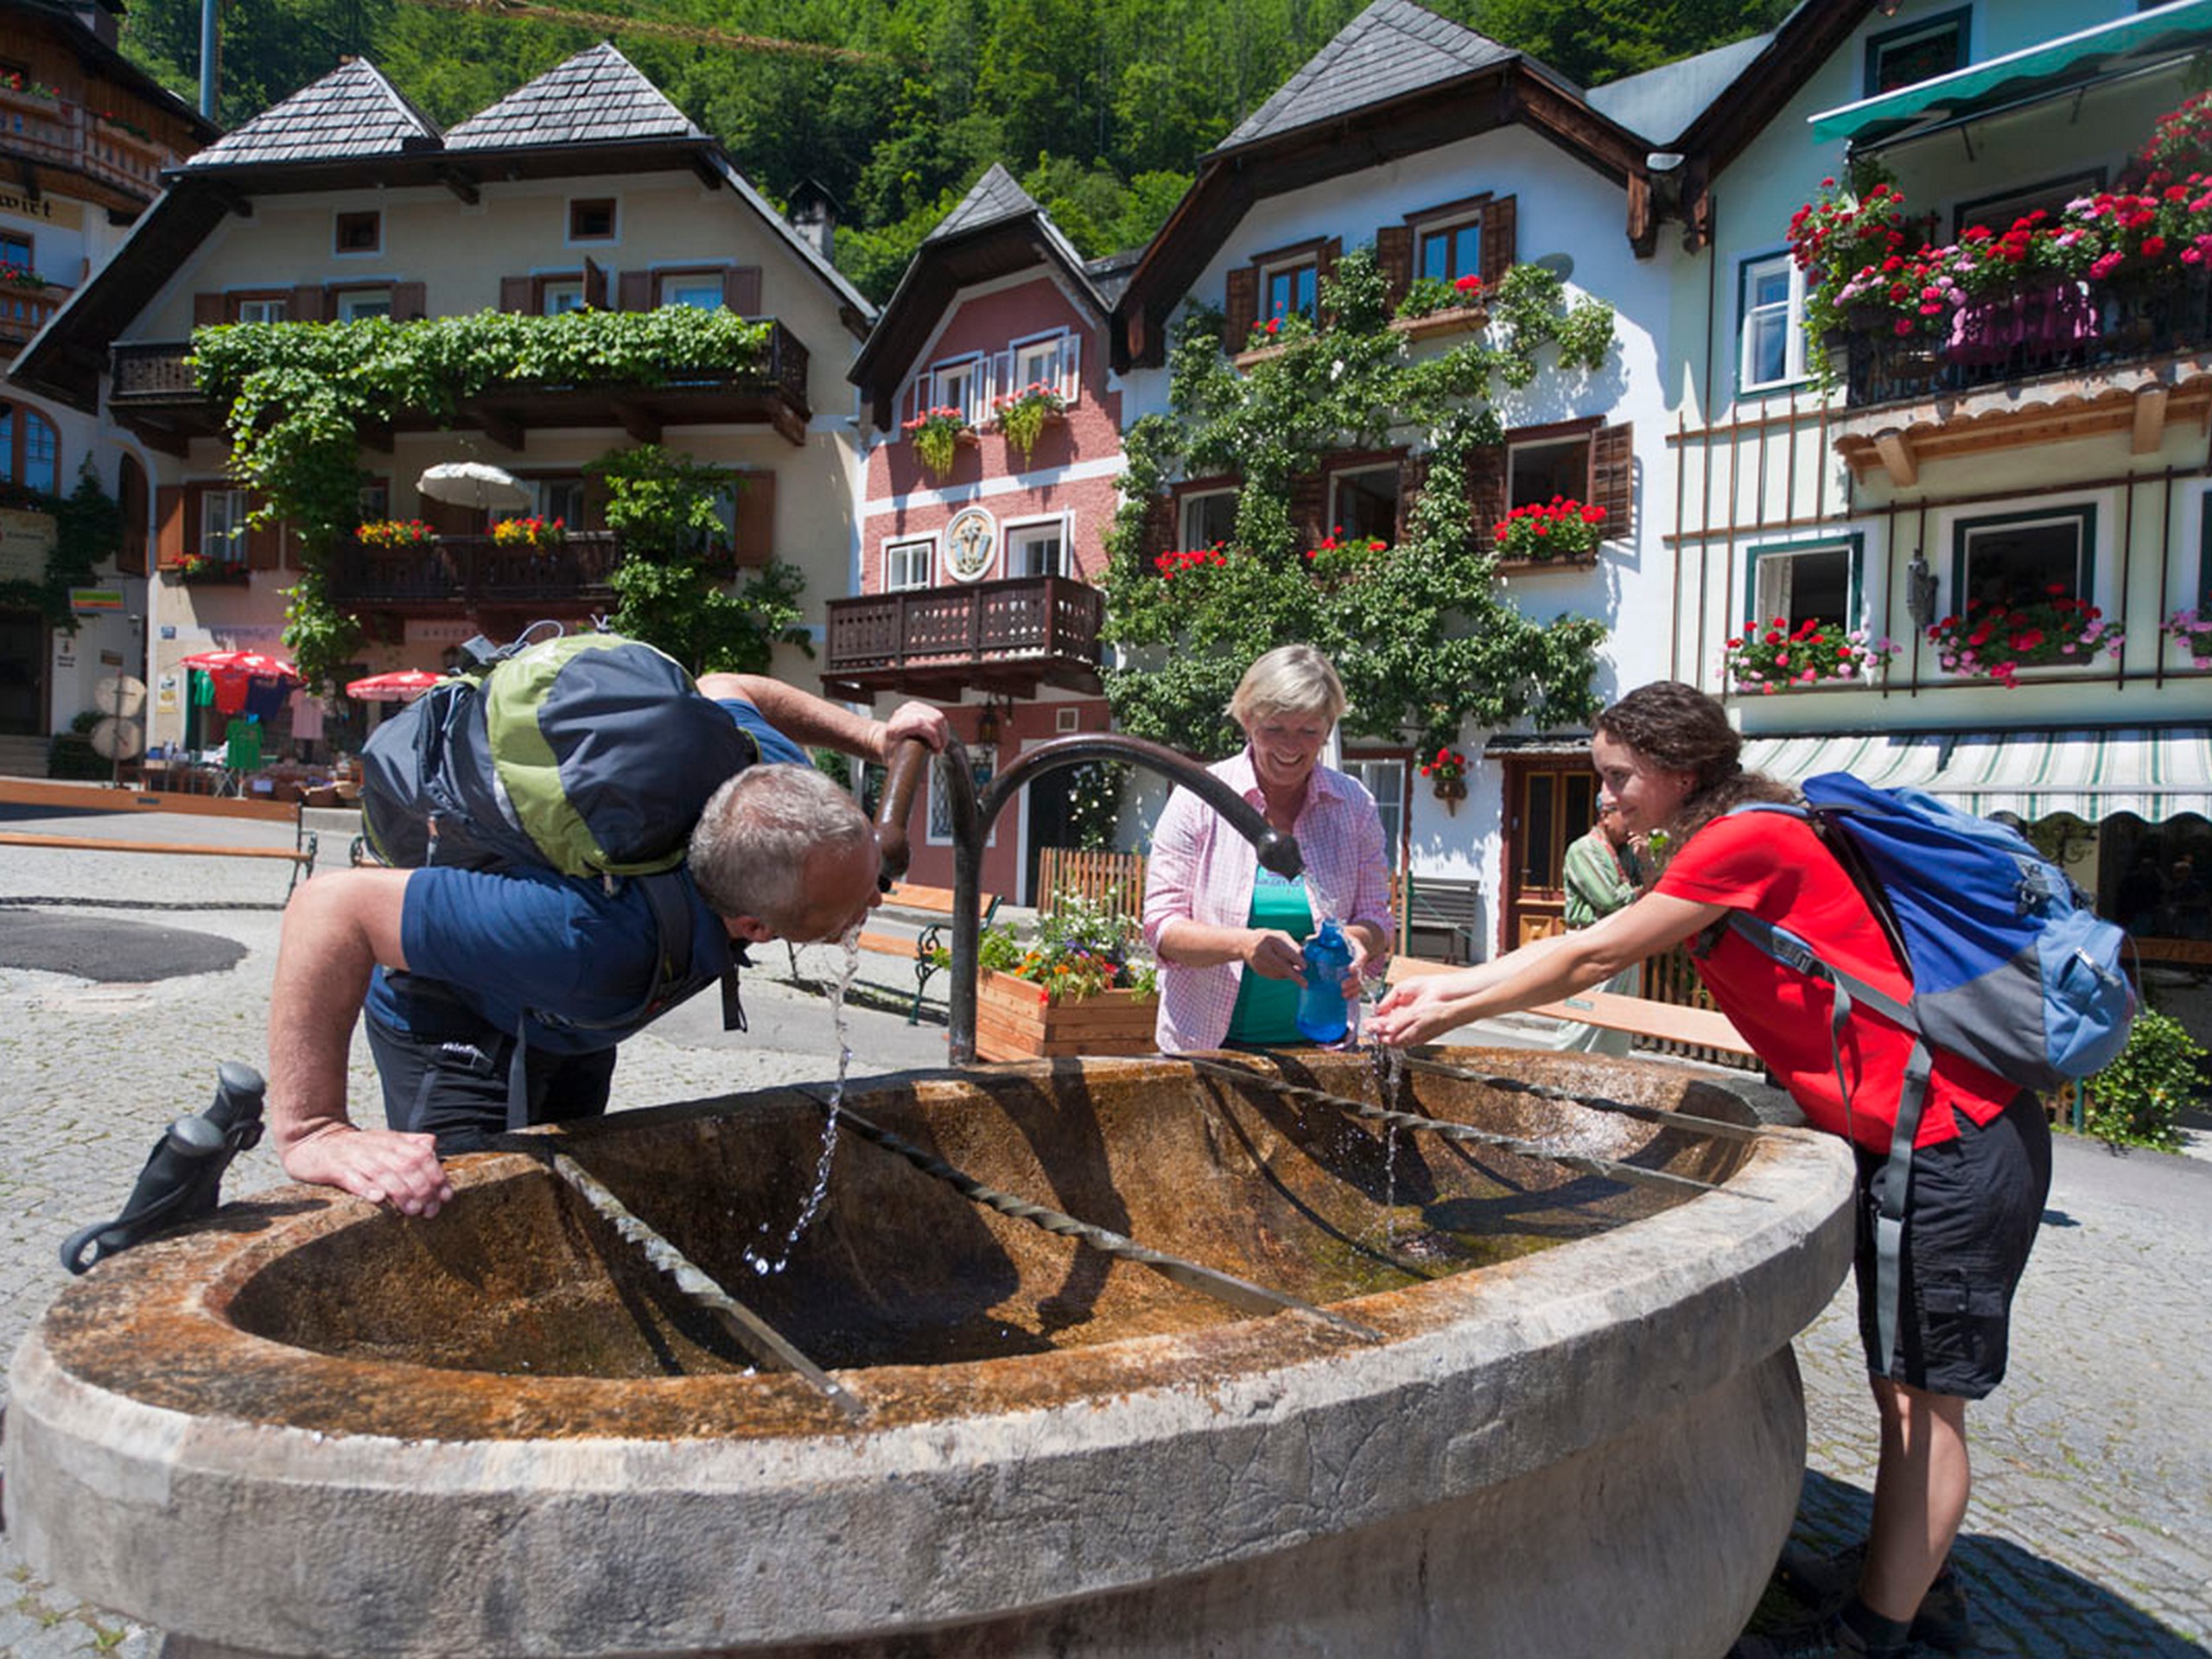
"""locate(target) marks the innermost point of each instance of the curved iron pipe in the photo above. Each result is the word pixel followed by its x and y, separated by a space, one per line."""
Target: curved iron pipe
pixel 971 825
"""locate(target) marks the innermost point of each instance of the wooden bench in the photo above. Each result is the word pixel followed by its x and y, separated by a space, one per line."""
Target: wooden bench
pixel 930 901
pixel 90 798
pixel 1639 1016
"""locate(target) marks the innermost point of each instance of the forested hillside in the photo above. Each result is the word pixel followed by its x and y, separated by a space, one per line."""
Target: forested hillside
pixel 1100 107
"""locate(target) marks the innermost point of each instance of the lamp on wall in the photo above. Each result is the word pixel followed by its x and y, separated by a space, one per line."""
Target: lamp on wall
pixel 1919 591
pixel 987 724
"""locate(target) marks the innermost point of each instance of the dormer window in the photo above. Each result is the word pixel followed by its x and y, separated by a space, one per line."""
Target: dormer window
pixel 1288 290
pixel 957 385
pixel 359 234
pixel 592 219
pixel 1041 362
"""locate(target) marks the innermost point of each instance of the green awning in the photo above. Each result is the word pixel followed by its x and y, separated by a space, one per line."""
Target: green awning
pixel 2121 46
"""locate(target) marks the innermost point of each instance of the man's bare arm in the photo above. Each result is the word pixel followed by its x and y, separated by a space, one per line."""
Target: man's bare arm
pixel 337 928
pixel 811 720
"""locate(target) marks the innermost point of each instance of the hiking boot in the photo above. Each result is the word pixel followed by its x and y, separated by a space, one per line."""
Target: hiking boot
pixel 1828 1637
pixel 1824 1583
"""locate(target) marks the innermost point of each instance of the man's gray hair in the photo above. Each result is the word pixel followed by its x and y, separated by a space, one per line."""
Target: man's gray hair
pixel 749 852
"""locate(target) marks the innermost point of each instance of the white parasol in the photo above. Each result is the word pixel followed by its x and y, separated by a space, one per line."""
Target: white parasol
pixel 472 484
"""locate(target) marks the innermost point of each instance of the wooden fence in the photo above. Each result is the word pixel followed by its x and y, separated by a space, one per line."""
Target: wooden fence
pixel 1115 880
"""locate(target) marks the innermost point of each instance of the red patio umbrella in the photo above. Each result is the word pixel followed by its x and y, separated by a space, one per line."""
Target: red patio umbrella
pixel 258 664
pixel 397 684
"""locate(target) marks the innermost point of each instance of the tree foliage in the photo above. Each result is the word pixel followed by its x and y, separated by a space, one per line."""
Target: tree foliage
pixel 1102 109
pixel 1417 632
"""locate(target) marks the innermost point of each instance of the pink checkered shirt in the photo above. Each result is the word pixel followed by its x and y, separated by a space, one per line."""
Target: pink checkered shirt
pixel 1202 870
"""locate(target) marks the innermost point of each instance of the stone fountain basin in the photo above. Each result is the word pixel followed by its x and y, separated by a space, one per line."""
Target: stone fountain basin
pixel 315 1427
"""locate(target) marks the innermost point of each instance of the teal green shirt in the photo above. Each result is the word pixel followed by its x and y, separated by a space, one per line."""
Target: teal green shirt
pixel 1267 1009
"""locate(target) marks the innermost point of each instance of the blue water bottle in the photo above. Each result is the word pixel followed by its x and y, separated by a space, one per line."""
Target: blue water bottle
pixel 1321 1004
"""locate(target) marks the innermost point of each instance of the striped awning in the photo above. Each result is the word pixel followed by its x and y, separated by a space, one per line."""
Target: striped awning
pixel 2155 773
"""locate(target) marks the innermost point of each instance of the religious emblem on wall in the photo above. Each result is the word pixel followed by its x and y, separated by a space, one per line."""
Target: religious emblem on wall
pixel 971 542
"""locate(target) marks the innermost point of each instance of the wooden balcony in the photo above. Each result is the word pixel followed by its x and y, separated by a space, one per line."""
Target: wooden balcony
pixel 154 391
pixel 469 576
pixel 2060 363
pixel 24 308
pixel 66 148
pixel 1009 637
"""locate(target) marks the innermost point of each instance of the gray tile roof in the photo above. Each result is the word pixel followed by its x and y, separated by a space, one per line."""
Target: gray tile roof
pixel 1392 48
pixel 352 110
pixel 995 197
pixel 1661 103
pixel 596 96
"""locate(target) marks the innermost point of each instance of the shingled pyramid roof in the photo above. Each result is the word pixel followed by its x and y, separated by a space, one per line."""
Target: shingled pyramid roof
pixel 995 197
pixel 1392 48
pixel 596 96
pixel 351 111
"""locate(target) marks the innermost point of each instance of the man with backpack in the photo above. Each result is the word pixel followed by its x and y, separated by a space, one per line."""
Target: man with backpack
pixel 1953 1155
pixel 495 994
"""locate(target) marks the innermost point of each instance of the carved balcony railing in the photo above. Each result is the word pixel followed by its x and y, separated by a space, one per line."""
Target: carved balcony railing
pixel 1010 635
pixel 2065 329
pixel 59 132
pixel 24 308
pixel 459 573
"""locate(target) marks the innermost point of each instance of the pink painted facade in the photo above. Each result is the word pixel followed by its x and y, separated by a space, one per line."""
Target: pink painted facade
pixel 1044 514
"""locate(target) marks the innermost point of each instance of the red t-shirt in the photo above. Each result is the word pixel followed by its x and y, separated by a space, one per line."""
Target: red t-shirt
pixel 1775 867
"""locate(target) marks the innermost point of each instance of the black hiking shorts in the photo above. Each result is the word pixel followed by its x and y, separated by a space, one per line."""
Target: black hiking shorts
pixel 455 1087
pixel 1970 1219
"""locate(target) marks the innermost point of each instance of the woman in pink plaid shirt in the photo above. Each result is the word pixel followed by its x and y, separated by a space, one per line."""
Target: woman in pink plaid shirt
pixel 1210 913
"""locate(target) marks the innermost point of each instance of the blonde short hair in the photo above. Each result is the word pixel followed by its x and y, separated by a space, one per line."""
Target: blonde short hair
pixel 1289 680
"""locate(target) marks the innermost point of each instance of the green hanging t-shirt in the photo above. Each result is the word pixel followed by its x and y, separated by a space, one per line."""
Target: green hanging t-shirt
pixel 1267 1009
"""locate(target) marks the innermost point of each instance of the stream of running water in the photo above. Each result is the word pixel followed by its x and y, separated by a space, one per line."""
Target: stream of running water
pixel 848 964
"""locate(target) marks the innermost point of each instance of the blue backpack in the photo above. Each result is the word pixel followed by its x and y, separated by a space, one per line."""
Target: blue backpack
pixel 2010 967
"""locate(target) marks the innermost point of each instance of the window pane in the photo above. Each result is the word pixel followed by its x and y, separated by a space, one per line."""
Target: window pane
pixel 1034 551
pixel 906 564
pixel 14 249
pixel 1386 782
pixel 1453 252
pixel 1813 586
pixel 1289 292
pixel 1540 832
pixel 1914 57
pixel 1541 471
pixel 1767 349
pixel 7 444
pixel 1208 519
pixel 2018 564
pixel 261 310
pixel 1364 506
pixel 564 296
pixel 42 454
pixel 1040 361
pixel 701 294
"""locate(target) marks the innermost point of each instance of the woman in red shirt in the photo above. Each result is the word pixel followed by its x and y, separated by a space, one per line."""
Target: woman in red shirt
pixel 1668 759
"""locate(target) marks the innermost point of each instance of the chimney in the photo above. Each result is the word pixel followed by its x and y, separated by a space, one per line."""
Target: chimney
pixel 814 216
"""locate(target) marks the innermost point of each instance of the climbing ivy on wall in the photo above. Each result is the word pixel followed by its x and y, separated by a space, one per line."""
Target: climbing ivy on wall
pixel 297 394
pixel 1418 632
pixel 88 527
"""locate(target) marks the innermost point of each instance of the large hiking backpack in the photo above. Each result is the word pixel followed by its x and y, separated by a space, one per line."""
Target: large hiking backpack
pixel 2010 967
pixel 592 755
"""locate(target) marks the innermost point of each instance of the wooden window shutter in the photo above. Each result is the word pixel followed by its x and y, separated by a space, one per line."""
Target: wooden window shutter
pixel 1612 479
pixel 168 525
pixel 741 291
pixel 208 310
pixel 409 301
pixel 1307 502
pixel 1413 475
pixel 756 519
pixel 595 499
pixel 1486 493
pixel 634 290
pixel 516 294
pixel 1159 529
pixel 306 304
pixel 451 518
pixel 594 285
pixel 1241 306
pixel 1498 253
pixel 1325 269
pixel 1393 256
pixel 265 541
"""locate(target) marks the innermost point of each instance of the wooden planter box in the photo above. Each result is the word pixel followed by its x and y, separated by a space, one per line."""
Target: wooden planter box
pixel 1015 1020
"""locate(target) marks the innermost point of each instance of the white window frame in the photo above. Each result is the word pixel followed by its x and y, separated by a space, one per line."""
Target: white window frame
pixel 918 556
pixel 1041 358
pixel 2081 518
pixel 1513 451
pixel 222 526
pixel 676 286
pixel 1789 313
pixel 264 308
pixel 370 253
pixel 984 764
pixel 547 499
pixel 1774 571
pixel 958 384
pixel 570 239
pixel 1017 539
pixel 1186 514
pixel 555 290
pixel 348 302
pixel 1385 777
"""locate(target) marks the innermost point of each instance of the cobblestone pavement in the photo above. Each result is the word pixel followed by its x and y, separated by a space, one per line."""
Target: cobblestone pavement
pixel 2091 1530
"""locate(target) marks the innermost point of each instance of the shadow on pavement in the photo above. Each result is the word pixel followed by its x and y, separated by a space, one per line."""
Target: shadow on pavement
pixel 2023 1604
pixel 112 952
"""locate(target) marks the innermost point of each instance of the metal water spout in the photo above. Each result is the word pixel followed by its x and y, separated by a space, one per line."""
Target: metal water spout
pixel 973 815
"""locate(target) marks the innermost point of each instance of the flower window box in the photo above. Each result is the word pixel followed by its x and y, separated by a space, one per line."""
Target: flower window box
pixel 1018 1018
pixel 1453 320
